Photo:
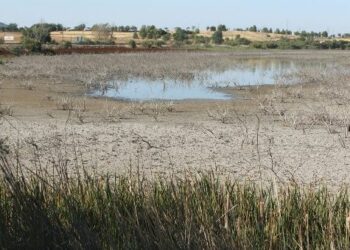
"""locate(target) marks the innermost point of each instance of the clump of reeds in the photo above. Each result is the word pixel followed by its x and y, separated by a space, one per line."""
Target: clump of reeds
pixel 45 211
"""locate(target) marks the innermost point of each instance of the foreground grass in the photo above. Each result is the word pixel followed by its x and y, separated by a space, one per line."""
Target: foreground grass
pixel 189 213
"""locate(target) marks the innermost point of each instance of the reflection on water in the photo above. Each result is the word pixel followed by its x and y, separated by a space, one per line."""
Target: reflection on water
pixel 143 90
pixel 206 85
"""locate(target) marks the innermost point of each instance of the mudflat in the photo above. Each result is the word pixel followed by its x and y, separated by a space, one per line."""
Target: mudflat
pixel 288 132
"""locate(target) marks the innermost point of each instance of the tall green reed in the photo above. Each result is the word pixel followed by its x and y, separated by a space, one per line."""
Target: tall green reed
pixel 119 212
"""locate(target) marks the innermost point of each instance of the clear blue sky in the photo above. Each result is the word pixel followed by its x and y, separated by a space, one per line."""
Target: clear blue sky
pixel 317 15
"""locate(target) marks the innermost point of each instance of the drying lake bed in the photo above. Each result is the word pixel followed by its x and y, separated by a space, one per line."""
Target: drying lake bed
pixel 248 115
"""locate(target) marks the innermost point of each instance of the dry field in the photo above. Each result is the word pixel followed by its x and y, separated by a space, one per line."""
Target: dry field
pixel 288 133
pixel 11 37
pixel 59 36
pixel 125 37
pixel 252 36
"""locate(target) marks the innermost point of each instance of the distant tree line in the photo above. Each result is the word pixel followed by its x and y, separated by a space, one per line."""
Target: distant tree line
pixel 38 34
pixel 12 27
pixel 153 32
pixel 312 34
pixel 305 34
pixel 220 27
pixel 302 44
pixel 126 28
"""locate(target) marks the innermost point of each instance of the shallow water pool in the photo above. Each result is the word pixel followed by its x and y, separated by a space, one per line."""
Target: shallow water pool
pixel 208 85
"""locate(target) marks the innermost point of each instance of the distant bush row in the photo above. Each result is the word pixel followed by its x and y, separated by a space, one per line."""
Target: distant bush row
pixel 302 44
pixel 284 43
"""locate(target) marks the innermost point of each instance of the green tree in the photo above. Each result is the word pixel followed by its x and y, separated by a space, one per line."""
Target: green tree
pixel 143 31
pixel 151 32
pixel 133 29
pixel 166 37
pixel 180 35
pixel 80 27
pixel 160 33
pixel 265 30
pixel 253 28
pixel 11 27
pixel 31 44
pixel 132 44
pixel 221 27
pixel 38 34
pixel 217 37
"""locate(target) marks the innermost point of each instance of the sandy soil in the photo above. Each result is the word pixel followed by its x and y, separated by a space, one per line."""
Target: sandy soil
pixel 118 137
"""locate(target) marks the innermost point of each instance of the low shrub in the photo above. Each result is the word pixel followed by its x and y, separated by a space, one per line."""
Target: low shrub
pixel 31 45
pixel 271 45
pixel 67 45
pixel 147 44
pixel 132 44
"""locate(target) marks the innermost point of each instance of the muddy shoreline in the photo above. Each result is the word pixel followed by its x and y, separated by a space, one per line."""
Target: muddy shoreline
pixel 288 133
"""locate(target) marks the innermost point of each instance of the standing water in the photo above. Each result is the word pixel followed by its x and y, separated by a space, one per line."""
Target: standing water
pixel 209 87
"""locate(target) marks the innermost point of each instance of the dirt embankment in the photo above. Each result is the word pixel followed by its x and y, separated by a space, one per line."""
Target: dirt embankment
pixel 105 49
pixel 5 52
pixel 88 50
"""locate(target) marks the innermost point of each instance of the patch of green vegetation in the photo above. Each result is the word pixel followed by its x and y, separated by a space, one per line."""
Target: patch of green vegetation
pixel 151 32
pixel 198 39
pixel 98 42
pixel 302 44
pixel 153 44
pixel 132 44
pixel 218 48
pixel 37 35
pixel 284 44
pixel 238 41
pixel 217 37
pixel 67 45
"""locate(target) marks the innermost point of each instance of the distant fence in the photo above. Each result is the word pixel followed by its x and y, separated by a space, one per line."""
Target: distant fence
pixel 11 37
